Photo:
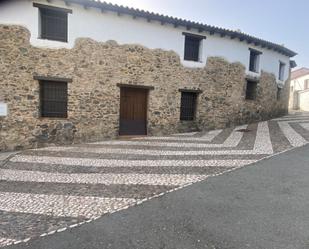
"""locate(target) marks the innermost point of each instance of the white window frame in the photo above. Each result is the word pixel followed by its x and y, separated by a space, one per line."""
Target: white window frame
pixel 281 70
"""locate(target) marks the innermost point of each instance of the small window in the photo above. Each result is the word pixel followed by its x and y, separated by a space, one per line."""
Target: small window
pixel 251 90
pixel 281 70
pixel 188 105
pixel 279 93
pixel 53 23
pixel 306 84
pixel 192 46
pixel 54 99
pixel 254 60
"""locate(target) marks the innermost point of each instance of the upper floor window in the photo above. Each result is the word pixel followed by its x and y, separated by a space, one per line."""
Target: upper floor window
pixel 53 22
pixel 306 84
pixel 193 46
pixel 281 70
pixel 254 60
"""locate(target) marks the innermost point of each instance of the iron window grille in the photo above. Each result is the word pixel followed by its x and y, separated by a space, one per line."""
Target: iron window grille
pixel 54 99
pixel 192 46
pixel 188 105
pixel 54 25
pixel 251 90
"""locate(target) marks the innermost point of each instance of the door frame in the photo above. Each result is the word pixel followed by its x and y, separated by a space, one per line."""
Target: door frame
pixel 147 90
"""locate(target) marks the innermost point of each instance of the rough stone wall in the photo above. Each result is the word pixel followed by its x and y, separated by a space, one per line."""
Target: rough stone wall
pixel 93 107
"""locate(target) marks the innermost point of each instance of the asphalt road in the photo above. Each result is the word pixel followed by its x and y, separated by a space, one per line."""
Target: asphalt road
pixel 264 205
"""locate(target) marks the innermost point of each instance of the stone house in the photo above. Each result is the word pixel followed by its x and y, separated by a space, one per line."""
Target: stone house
pixel 299 90
pixel 84 70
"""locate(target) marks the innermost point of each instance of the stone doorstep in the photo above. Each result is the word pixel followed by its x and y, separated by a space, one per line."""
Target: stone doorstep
pixel 129 137
pixel 6 155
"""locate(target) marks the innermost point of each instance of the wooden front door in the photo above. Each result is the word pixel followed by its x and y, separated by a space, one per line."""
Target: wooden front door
pixel 133 111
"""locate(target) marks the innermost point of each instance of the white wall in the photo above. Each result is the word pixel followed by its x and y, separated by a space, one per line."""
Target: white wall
pixel 299 96
pixel 126 30
pixel 304 100
pixel 299 83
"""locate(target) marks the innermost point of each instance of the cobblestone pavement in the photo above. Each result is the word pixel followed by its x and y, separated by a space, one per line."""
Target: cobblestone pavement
pixel 52 189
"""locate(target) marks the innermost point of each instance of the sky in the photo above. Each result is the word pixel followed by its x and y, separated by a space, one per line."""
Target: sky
pixel 285 22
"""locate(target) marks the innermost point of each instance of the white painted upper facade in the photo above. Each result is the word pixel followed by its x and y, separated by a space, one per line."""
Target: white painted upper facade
pixel 124 29
pixel 299 93
pixel 298 84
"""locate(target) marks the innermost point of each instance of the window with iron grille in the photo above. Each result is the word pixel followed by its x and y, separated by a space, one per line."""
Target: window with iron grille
pixel 53 24
pixel 54 99
pixel 279 93
pixel 251 90
pixel 192 46
pixel 188 105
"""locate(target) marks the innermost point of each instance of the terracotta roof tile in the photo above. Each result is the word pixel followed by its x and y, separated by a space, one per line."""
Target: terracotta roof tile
pixel 299 73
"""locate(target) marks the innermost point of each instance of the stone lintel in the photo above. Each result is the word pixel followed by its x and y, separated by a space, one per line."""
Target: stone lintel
pixel 49 78
pixel 43 6
pixel 136 86
pixel 190 90
pixel 194 35
pixel 256 51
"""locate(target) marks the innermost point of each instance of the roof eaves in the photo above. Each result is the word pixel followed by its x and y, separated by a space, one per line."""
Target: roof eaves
pixel 185 23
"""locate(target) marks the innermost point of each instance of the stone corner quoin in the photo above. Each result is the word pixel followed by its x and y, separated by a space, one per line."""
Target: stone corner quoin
pixel 97 69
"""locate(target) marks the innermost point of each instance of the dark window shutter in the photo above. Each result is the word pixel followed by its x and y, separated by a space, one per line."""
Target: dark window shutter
pixel 54 99
pixel 192 48
pixel 279 93
pixel 188 105
pixel 54 25
pixel 281 71
pixel 253 61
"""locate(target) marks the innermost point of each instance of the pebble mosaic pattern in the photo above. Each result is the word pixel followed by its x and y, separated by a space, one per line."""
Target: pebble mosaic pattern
pixel 208 137
pixel 185 134
pixel 232 141
pixel 129 163
pixel 60 205
pixel 263 143
pixel 52 189
pixel 106 179
pixel 305 126
pixel 6 241
pixel 294 138
pixel 158 152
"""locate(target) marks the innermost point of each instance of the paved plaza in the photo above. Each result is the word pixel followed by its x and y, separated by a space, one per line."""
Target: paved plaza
pixel 53 189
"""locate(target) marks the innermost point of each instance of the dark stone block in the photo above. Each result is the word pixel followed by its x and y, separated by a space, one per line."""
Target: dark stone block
pixel 68 126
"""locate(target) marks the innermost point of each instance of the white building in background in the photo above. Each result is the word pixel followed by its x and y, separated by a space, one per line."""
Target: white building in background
pixel 299 90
